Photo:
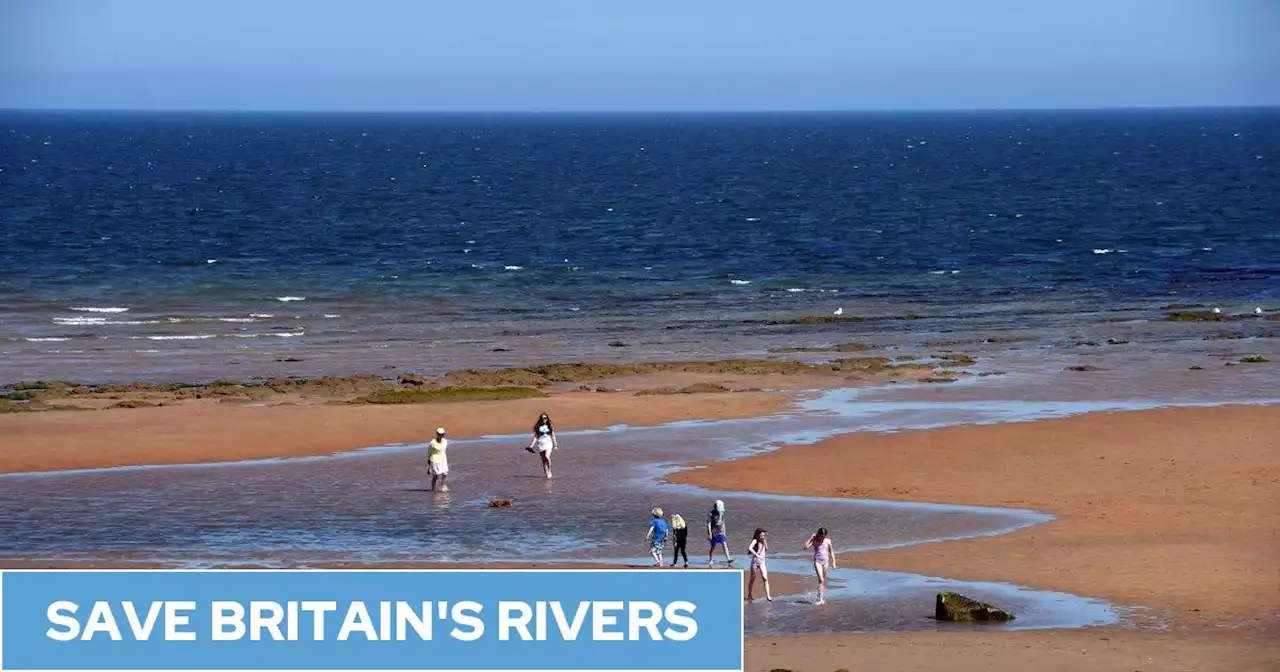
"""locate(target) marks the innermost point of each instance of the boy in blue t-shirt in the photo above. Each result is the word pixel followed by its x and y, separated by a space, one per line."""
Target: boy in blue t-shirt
pixel 657 536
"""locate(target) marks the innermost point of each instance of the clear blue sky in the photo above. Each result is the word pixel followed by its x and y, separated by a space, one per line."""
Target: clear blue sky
pixel 632 55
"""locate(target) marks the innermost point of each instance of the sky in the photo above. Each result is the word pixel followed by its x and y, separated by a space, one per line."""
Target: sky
pixel 611 55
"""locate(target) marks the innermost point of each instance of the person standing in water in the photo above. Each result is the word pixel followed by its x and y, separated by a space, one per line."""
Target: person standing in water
pixel 757 549
pixel 657 536
pixel 544 441
pixel 438 461
pixel 824 560
pixel 717 535
pixel 681 532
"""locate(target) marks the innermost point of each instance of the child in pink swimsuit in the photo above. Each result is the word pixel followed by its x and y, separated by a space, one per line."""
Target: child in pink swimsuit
pixel 757 549
pixel 824 560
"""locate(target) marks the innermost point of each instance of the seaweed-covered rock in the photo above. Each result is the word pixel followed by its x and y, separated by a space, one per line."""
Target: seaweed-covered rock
pixel 958 608
pixel 501 503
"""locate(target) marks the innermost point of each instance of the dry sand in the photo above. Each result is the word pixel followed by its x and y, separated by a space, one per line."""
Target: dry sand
pixel 210 431
pixel 1174 509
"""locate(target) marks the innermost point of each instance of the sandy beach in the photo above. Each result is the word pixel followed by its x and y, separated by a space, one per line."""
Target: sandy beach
pixel 1168 510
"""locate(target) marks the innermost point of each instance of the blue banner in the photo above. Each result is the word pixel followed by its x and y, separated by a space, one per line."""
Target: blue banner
pixel 372 620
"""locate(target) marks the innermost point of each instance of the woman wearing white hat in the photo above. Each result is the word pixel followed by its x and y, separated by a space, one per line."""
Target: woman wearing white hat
pixel 438 461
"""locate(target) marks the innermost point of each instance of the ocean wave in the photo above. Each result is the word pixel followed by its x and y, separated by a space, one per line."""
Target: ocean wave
pixel 740 282
pixel 46 339
pixel 513 268
pixel 92 309
pixel 275 334
pixel 202 318
pixel 1102 250
pixel 85 321
pixel 261 316
pixel 179 337
pixel 331 316
pixel 287 299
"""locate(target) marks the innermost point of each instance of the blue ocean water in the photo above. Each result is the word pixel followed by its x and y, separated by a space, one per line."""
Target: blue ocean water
pixel 351 241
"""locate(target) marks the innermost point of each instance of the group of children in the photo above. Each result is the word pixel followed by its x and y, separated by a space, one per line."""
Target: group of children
pixel 544 443
pixel 824 554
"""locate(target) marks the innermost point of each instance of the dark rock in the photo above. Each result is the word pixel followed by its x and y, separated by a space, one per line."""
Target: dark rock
pixel 501 350
pixel 618 344
pixel 1199 316
pixel 1117 341
pixel 132 403
pixel 1085 368
pixel 415 379
pixel 955 607
pixel 937 379
pixel 1254 359
pixel 1197 368
pixel 501 503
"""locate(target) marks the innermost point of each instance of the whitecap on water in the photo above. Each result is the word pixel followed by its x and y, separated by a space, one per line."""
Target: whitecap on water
pixel 47 339
pixel 740 282
pixel 91 309
pixel 291 298
pixel 513 268
pixel 1102 250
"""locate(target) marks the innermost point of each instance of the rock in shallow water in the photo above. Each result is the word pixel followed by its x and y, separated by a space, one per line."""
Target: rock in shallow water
pixel 958 608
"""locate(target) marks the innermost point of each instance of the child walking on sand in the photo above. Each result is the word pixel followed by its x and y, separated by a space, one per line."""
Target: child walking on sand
pixel 824 559
pixel 657 536
pixel 681 531
pixel 716 534
pixel 757 549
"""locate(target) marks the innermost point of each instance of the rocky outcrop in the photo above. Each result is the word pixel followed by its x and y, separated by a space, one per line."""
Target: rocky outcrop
pixel 501 503
pixel 958 608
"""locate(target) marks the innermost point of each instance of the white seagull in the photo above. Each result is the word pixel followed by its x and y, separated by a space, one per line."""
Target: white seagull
pixel 1217 311
pixel 1257 311
pixel 838 312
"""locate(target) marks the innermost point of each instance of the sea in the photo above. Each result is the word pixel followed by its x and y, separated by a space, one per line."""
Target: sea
pixel 192 246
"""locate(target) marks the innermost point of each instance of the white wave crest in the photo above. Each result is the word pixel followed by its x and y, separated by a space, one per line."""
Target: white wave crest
pixel 513 268
pixel 182 337
pixel 287 299
pixel 276 334
pixel 92 309
pixel 740 282
pixel 46 339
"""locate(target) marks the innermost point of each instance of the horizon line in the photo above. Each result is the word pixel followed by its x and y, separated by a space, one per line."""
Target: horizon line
pixel 656 111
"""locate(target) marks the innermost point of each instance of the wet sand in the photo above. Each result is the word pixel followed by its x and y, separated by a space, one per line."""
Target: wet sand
pixel 209 431
pixel 1170 509
pixel 781 584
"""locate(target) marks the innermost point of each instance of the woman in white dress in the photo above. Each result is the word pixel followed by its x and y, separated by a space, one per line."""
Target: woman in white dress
pixel 544 442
